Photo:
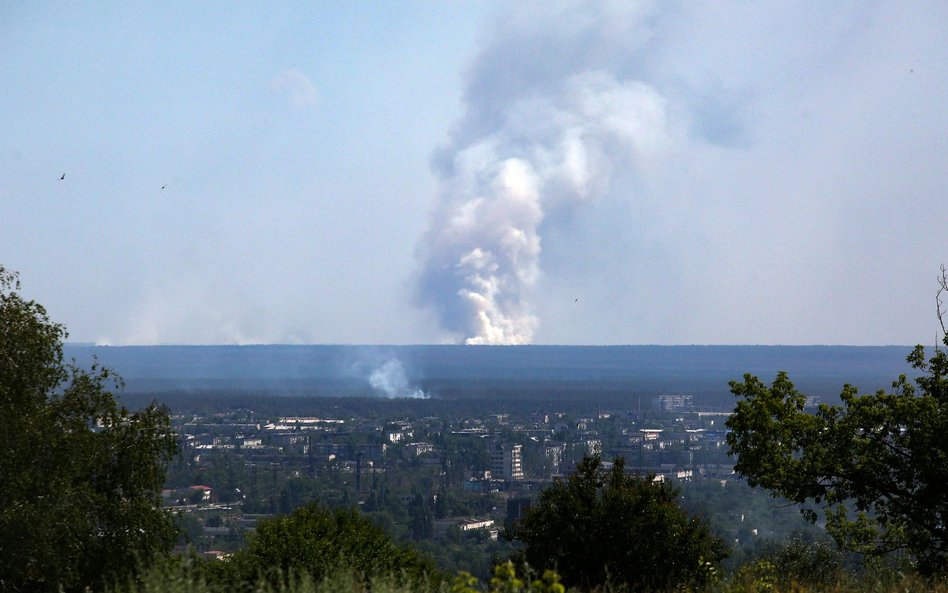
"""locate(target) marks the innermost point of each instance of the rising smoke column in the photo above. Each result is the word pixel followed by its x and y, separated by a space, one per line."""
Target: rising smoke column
pixel 550 117
pixel 391 380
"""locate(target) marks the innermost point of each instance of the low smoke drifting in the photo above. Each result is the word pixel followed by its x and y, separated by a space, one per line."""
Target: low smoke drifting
pixel 543 129
pixel 390 379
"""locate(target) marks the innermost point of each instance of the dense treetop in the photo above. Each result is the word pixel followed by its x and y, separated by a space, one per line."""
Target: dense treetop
pixel 80 476
pixel 877 464
pixel 602 526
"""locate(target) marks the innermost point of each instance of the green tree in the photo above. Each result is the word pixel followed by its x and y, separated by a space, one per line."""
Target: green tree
pixel 605 526
pixel 318 541
pixel 877 464
pixel 812 563
pixel 421 519
pixel 80 476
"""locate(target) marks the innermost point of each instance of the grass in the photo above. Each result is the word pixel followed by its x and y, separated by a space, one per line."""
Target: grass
pixel 189 576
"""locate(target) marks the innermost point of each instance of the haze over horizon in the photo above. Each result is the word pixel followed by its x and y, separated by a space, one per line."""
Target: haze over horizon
pixel 425 173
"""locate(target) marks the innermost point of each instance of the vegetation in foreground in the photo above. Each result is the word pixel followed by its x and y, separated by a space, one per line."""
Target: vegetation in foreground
pixel 318 542
pixel 606 527
pixel 763 576
pixel 80 476
pixel 877 465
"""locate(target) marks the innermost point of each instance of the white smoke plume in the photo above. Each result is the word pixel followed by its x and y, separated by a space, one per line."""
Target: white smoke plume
pixel 551 115
pixel 390 379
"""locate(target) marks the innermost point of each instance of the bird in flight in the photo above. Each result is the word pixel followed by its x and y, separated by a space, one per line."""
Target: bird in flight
pixel 63 177
pixel 164 186
pixel 577 300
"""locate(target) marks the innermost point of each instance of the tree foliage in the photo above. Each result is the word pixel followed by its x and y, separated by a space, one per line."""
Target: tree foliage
pixel 421 520
pixel 877 464
pixel 604 526
pixel 80 475
pixel 318 542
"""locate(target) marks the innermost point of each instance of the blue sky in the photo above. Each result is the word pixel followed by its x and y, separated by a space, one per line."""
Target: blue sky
pixel 413 172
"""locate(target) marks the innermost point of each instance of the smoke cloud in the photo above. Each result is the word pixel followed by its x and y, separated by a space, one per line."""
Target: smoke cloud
pixel 549 122
pixel 390 379
pixel 300 91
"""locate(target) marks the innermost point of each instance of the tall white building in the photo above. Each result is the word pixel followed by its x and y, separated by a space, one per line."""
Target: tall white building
pixel 507 462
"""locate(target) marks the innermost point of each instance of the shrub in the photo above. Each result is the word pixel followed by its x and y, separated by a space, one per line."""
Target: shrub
pixel 602 527
pixel 316 542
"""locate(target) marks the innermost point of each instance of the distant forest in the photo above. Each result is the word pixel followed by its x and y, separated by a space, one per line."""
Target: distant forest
pixel 576 377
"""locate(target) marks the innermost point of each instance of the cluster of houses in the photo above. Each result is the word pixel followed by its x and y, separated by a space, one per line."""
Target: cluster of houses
pixel 522 453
